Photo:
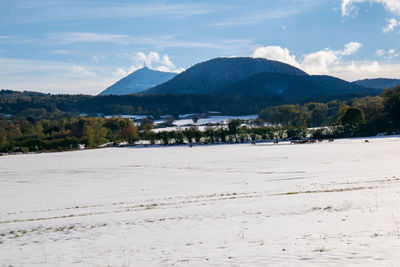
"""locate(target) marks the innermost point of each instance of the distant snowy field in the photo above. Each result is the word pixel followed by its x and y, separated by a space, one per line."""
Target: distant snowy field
pixel 325 204
pixel 201 124
pixel 213 120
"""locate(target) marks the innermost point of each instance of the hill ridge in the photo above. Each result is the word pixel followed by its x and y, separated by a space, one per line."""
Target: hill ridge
pixel 254 77
pixel 211 75
pixel 378 83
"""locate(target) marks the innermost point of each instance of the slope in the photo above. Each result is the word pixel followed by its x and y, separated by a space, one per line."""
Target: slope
pixel 294 86
pixel 210 76
pixel 139 80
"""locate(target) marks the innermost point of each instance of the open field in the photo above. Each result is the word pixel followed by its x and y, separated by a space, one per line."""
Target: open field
pixel 324 204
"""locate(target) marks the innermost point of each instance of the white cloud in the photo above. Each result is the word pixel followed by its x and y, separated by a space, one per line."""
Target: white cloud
pixel 349 6
pixel 332 62
pixel 320 62
pixel 350 48
pixel 153 60
pixel 276 53
pixel 389 54
pixel 380 52
pixel 393 6
pixel 393 23
pixel 361 67
pixel 366 69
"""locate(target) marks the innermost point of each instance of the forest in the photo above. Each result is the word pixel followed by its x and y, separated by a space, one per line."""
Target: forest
pixel 16 103
pixel 39 125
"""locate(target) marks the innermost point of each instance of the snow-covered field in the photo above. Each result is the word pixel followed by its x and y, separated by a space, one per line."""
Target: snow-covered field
pixel 325 204
pixel 201 124
pixel 213 120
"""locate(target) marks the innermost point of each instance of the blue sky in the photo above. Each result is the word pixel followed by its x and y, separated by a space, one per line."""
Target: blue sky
pixel 70 46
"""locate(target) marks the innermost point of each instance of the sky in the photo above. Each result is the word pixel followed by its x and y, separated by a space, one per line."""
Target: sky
pixel 84 46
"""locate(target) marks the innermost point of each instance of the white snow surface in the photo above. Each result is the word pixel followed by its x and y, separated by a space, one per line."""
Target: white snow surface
pixel 213 120
pixel 183 124
pixel 324 204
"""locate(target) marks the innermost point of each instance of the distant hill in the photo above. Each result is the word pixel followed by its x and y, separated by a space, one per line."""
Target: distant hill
pixel 379 83
pixel 210 76
pixel 254 77
pixel 273 84
pixel 139 80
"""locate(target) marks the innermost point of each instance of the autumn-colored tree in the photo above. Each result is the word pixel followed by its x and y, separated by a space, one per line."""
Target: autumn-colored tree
pixel 130 134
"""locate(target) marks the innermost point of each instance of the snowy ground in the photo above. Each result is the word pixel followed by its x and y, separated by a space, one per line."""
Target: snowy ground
pixel 201 124
pixel 324 204
pixel 213 120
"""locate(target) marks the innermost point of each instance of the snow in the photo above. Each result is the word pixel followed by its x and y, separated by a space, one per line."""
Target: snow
pixel 177 128
pixel 324 204
pixel 213 120
pixel 181 116
pixel 132 117
pixel 201 124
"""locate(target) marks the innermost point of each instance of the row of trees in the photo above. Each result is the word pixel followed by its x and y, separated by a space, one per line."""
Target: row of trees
pixel 63 134
pixel 311 114
pixel 360 116
pixel 66 134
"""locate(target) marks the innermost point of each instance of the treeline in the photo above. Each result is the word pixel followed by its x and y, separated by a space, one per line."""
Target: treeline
pixel 310 114
pixel 20 103
pixel 25 135
pixel 357 117
pixel 67 134
pixel 29 135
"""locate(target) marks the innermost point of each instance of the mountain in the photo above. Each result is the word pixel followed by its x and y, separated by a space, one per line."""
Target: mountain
pixel 210 76
pixel 139 80
pixel 380 83
pixel 278 84
pixel 254 77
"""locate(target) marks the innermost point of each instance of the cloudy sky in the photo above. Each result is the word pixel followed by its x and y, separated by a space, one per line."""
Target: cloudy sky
pixel 74 46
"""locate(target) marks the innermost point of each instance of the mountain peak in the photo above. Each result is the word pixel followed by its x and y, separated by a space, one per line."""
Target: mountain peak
pixel 139 80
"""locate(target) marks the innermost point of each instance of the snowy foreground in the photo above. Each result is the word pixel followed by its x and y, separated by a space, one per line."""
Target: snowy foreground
pixel 324 204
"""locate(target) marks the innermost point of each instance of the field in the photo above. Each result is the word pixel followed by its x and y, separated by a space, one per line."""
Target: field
pixel 324 204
